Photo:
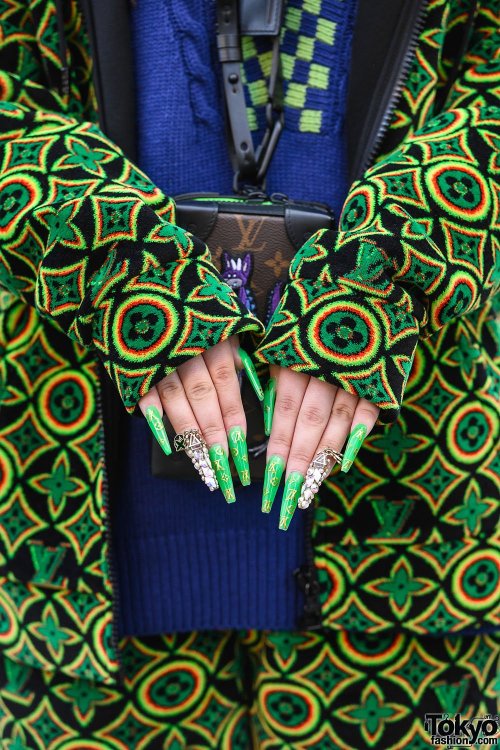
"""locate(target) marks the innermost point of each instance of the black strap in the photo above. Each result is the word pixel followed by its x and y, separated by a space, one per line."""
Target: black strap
pixel 259 17
pixel 108 27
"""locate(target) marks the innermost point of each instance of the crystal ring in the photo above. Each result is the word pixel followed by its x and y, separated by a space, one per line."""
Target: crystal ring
pixel 318 470
pixel 192 442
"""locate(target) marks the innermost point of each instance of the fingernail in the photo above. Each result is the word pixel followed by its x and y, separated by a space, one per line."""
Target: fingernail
pixel 269 401
pixel 251 372
pixel 220 464
pixel 354 443
pixel 239 451
pixel 291 494
pixel 155 422
pixel 272 478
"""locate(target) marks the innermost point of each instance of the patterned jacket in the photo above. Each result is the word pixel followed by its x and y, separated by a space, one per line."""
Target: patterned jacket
pixel 397 307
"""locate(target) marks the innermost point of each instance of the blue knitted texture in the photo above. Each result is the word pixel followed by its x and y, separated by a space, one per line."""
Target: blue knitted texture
pixel 185 559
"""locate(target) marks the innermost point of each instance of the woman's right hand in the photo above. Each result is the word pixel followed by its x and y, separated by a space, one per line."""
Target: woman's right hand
pixel 204 395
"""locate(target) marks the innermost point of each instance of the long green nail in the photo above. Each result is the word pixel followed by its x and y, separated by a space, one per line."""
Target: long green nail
pixel 251 372
pixel 269 401
pixel 239 451
pixel 291 494
pixel 272 478
pixel 155 422
pixel 354 443
pixel 220 463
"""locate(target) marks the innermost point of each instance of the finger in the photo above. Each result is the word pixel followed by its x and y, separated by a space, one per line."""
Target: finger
pixel 221 367
pixel 329 444
pixel 177 408
pixel 363 421
pixel 202 396
pixel 291 387
pixel 203 400
pixel 347 411
pixel 150 406
pixel 312 419
pixel 340 421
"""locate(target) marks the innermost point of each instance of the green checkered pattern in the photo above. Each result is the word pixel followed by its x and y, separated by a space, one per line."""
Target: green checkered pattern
pixel 311 48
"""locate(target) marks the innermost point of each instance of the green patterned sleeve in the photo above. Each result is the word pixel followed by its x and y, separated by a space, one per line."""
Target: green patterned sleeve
pixel 92 244
pixel 416 248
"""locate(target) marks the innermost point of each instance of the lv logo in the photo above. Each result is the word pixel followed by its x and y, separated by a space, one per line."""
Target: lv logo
pixel 46 561
pixel 249 232
pixel 392 516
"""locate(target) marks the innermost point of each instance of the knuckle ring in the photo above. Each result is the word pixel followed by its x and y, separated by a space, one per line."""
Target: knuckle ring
pixel 192 442
pixel 318 470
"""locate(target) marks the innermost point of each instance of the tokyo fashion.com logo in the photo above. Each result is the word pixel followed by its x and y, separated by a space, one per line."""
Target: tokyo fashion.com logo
pixel 455 731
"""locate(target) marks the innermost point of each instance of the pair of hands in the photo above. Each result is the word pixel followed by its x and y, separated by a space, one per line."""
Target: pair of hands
pixel 303 416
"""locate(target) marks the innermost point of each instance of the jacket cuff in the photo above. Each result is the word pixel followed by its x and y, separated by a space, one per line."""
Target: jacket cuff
pixel 357 330
pixel 161 318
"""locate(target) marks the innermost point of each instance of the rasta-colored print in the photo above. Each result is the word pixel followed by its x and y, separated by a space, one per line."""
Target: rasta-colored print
pixel 245 690
pixel 93 268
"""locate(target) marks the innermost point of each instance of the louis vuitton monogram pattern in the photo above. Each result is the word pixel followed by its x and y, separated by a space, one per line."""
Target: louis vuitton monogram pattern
pixel 244 690
pixel 404 541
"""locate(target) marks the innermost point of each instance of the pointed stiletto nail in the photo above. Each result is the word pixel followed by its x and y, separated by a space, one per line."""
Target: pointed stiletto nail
pixel 272 478
pixel 269 401
pixel 220 463
pixel 291 494
pixel 251 372
pixel 239 452
pixel 354 443
pixel 155 422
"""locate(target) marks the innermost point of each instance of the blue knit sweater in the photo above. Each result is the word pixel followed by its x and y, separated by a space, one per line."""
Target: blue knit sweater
pixel 185 559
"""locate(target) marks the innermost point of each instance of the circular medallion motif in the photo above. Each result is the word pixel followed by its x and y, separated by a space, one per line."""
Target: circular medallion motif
pixel 17 195
pixel 461 190
pixel 6 474
pixel 344 333
pixel 172 689
pixel 471 432
pixel 477 580
pixel 8 623
pixel 67 402
pixel 289 711
pixel 457 302
pixel 332 583
pixel 370 649
pixel 142 328
pixel 358 212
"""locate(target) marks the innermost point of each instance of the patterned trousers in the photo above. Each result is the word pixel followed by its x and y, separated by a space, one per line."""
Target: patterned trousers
pixel 237 690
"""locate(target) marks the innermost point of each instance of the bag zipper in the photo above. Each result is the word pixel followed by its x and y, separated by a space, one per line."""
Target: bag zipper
pixel 379 115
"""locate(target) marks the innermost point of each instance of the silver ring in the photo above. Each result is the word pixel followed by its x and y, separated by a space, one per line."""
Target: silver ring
pixel 191 439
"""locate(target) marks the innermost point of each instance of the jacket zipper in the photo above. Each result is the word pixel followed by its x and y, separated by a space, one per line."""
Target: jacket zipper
pixel 307 580
pixel 63 51
pixel 306 576
pixel 395 80
pixel 113 578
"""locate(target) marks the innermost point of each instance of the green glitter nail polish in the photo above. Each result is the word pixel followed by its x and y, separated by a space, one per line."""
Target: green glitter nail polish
pixel 155 422
pixel 239 452
pixel 272 478
pixel 291 493
pixel 220 464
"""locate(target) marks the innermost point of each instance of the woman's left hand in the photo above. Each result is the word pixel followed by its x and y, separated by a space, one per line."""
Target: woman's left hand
pixel 309 417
